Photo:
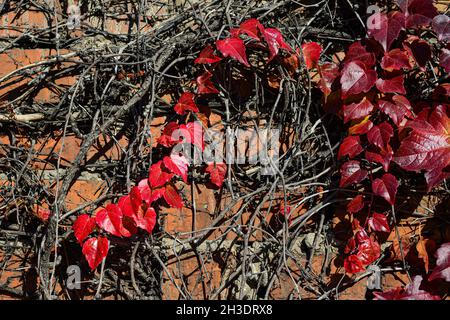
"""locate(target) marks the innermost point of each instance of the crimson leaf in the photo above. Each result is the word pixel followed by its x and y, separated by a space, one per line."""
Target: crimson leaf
pixel 207 56
pixel 351 173
pixel 351 146
pixel 378 222
pixel 311 54
pixel 83 226
pixel 356 78
pixel 386 187
pixel 95 250
pixel 234 48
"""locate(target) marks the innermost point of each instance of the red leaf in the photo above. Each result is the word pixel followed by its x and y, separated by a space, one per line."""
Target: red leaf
pixel 110 219
pixel 386 187
pixel 351 146
pixel 83 226
pixel 217 171
pixel 380 135
pixel 411 292
pixel 351 173
pixel 166 138
pixel 252 27
pixel 357 110
pixel 95 250
pixel 328 73
pixel 357 52
pixel 146 221
pixel 42 213
pixel 205 85
pixel 195 130
pixel 441 25
pixel 384 157
pixel 417 12
pixel 275 41
pixel 398 110
pixel 172 197
pixel 352 264
pixel 356 204
pixel 388 29
pixel 428 145
pixel 368 251
pixel 311 54
pixel 420 50
pixel 207 56
pixel 356 79
pixel 378 222
pixel 234 48
pixel 444 60
pixel 362 127
pixel 178 164
pixel 159 175
pixel 186 103
pixel 442 269
pixel 396 59
pixel 235 32
pixel 392 85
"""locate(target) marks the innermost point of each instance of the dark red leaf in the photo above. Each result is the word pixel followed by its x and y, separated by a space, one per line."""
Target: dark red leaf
pixel 380 135
pixel 356 204
pixel 384 157
pixel 234 48
pixel 207 56
pixel 392 85
pixel 378 222
pixel 172 197
pixel 357 110
pixel 351 173
pixel 362 127
pixel 388 29
pixel 417 12
pixel 311 54
pixel 441 25
pixel 398 110
pixel 328 73
pixel 428 145
pixel 95 250
pixel 356 79
pixel 83 226
pixel 357 52
pixel 395 59
pixel 442 269
pixel 386 187
pixel 275 41
pixel 420 50
pixel 217 172
pixel 351 146
pixel 205 85
pixel 444 60
pixel 252 27
pixel 159 175
pixel 186 103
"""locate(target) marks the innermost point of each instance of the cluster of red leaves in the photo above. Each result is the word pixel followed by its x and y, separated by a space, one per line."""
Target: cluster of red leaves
pixel 136 210
pixel 367 89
